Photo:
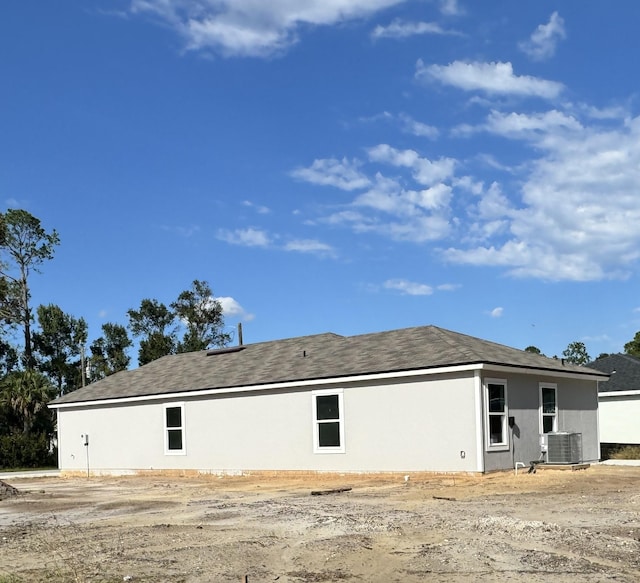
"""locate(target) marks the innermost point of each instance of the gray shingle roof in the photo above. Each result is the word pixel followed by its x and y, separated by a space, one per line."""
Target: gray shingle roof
pixel 321 356
pixel 626 376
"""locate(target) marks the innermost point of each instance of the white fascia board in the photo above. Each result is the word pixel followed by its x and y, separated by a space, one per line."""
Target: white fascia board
pixel 543 372
pixel 273 386
pixel 610 394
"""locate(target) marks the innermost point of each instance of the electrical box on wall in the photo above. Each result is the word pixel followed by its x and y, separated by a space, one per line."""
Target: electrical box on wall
pixel 544 443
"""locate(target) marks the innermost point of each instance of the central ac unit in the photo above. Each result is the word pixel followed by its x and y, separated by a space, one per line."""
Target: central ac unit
pixel 564 448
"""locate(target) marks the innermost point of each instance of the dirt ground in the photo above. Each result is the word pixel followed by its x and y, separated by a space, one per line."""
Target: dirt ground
pixel 552 526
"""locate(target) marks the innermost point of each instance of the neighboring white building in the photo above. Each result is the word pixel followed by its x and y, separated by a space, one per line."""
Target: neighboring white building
pixel 414 400
pixel 619 399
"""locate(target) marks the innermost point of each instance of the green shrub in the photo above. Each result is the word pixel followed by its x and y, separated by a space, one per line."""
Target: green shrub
pixel 626 452
pixel 26 450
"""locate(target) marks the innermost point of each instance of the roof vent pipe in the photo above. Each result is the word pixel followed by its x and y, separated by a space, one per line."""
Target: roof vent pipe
pixel 239 333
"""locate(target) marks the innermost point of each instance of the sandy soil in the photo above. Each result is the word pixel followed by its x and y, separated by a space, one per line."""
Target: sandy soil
pixel 552 526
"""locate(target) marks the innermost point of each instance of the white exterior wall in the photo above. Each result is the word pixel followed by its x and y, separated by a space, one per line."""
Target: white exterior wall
pixel 619 419
pixel 118 436
pixel 419 425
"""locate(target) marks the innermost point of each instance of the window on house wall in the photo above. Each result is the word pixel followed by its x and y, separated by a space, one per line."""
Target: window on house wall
pixel 328 422
pixel 174 442
pixel 548 408
pixel 497 413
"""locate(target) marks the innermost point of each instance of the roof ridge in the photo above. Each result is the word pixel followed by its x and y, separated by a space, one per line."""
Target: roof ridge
pixel 390 331
pixel 296 338
pixel 630 357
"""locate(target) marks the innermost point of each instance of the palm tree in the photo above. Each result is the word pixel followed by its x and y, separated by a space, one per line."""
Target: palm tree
pixel 25 393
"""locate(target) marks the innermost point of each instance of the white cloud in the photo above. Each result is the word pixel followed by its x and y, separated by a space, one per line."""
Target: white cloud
pixel 252 237
pixel 514 124
pixel 402 29
pixel 534 260
pixel 612 112
pixel 232 309
pixel 348 216
pixel 544 39
pixel 469 184
pixel 450 7
pixel 416 229
pixel 390 155
pixel 415 210
pixel 412 288
pixel 342 174
pixel 408 288
pixel 252 28
pixel 386 196
pixel 432 198
pixel 260 209
pixel 407 124
pixel 425 172
pixel 491 78
pixel 310 246
pixel 497 312
pixel 419 228
pixel 490 161
pixel 577 213
pixel 569 213
pixel 384 116
pixel 448 286
pixel 249 237
pixel 417 128
pixel 494 204
pixel 389 197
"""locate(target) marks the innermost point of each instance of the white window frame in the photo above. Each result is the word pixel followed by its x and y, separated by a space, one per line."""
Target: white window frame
pixel 168 451
pixel 541 413
pixel 316 422
pixel 503 445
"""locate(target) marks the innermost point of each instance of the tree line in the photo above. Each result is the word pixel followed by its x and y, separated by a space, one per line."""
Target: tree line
pixel 44 352
pixel 576 352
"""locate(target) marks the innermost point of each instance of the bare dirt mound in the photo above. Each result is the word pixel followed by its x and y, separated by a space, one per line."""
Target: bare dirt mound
pixel 7 490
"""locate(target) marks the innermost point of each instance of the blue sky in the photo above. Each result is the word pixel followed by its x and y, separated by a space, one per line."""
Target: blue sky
pixel 346 165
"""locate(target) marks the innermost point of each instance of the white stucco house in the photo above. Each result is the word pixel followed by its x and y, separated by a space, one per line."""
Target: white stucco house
pixel 619 400
pixel 420 399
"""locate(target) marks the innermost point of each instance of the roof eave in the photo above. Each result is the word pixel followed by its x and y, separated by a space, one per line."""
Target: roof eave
pixel 610 394
pixel 547 371
pixel 310 383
